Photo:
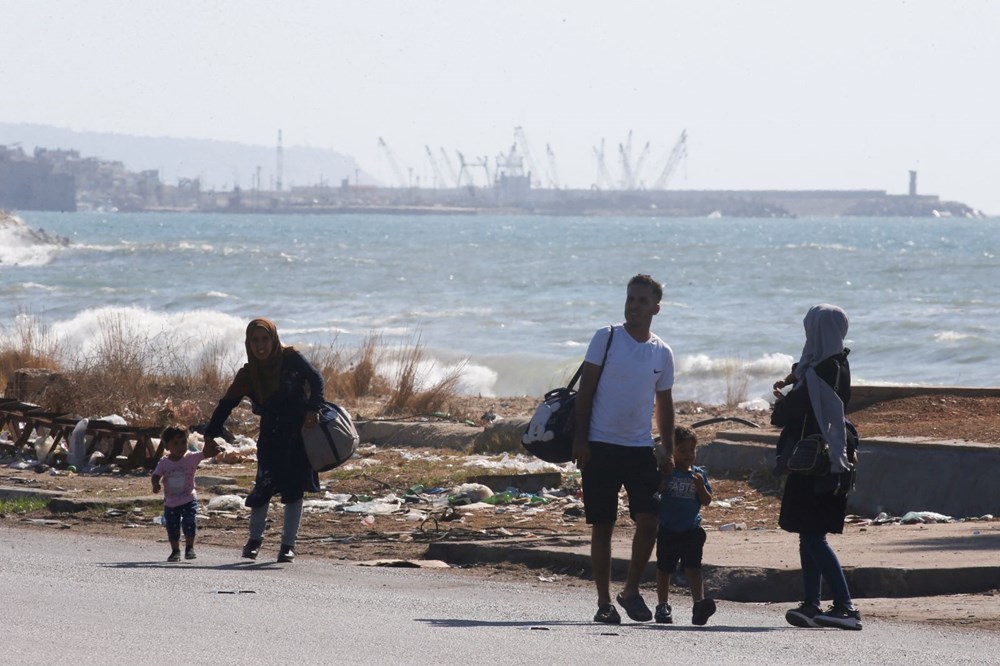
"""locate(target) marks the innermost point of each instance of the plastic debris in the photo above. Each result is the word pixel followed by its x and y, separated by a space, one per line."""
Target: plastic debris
pixel 913 517
pixel 226 503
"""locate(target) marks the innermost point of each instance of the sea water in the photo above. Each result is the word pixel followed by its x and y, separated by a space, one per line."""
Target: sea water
pixel 511 301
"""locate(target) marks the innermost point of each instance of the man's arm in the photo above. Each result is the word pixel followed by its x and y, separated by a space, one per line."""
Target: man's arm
pixel 665 426
pixel 581 413
pixel 211 449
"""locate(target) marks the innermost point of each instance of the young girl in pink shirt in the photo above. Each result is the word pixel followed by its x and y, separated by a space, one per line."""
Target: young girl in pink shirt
pixel 176 469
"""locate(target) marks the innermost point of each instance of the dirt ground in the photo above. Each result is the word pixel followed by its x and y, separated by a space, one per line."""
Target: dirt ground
pixel 380 471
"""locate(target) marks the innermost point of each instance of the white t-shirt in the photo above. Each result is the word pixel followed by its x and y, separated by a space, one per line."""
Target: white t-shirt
pixel 626 393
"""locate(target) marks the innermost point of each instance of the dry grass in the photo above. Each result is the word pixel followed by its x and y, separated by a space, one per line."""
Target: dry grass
pixel 737 374
pixel 406 397
pixel 149 381
pixel 25 343
pixel 352 376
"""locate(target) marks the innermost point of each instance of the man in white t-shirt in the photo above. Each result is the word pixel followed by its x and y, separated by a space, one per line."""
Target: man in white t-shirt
pixel 613 442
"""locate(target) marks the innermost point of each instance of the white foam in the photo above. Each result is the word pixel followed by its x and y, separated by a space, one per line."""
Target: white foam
pixel 185 338
pixel 951 336
pixel 20 245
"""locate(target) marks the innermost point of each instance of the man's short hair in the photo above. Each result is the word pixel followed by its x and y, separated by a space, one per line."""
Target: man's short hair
pixel 642 278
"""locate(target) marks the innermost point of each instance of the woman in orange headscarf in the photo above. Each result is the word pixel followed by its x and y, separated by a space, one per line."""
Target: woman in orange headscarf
pixel 286 391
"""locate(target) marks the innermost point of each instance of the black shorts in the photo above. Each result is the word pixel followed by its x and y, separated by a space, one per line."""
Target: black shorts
pixel 683 547
pixel 612 466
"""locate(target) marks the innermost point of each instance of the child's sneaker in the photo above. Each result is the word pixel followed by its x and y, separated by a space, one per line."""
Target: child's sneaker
pixel 607 614
pixel 702 610
pixel 189 553
pixel 804 616
pixel 663 614
pixel 175 556
pixel 839 617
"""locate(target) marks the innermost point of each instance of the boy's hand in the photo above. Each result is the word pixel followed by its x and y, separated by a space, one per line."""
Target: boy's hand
pixel 699 480
pixel 156 487
pixel 581 452
pixel 312 418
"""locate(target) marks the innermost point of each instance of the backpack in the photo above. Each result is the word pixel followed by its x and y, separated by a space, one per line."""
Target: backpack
pixel 333 440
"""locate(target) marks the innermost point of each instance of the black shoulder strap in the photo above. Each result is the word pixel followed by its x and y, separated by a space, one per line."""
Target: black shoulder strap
pixel 579 371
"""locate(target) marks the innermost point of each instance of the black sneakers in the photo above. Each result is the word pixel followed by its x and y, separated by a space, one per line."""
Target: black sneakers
pixel 189 553
pixel 285 553
pixel 252 548
pixel 839 617
pixel 663 614
pixel 607 614
pixel 804 616
pixel 702 610
pixel 175 556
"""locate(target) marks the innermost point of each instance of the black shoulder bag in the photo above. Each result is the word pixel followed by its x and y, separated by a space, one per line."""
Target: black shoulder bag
pixel 549 435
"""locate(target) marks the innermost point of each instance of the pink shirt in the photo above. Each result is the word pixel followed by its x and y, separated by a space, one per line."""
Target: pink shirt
pixel 178 478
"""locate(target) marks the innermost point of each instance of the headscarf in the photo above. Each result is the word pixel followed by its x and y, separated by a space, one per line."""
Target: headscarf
pixel 826 328
pixel 259 377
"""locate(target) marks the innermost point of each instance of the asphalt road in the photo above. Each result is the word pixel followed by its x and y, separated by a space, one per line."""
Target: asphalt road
pixel 74 599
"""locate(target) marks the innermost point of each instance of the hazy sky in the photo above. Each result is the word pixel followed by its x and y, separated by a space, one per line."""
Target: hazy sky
pixel 791 94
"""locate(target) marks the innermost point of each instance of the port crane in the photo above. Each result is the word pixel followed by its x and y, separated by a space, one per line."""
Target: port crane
pixel 482 162
pixel 438 177
pixel 451 169
pixel 628 178
pixel 678 153
pixel 639 163
pixel 604 179
pixel 553 172
pixel 522 140
pixel 392 163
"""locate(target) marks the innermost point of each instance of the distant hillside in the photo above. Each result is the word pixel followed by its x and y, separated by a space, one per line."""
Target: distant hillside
pixel 219 164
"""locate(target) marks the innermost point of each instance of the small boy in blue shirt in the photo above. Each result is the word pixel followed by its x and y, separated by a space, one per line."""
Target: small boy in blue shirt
pixel 681 539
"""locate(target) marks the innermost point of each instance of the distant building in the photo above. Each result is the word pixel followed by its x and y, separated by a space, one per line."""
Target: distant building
pixel 27 183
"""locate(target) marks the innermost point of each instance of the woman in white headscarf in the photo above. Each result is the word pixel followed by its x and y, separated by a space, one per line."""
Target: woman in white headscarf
pixel 815 506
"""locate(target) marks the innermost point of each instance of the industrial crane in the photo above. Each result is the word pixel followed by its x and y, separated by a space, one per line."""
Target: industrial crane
pixel 392 163
pixel 628 178
pixel 522 141
pixel 678 153
pixel 553 172
pixel 639 163
pixel 438 177
pixel 603 177
pixel 451 169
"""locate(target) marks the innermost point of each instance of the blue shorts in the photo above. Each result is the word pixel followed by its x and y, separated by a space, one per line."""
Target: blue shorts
pixel 610 468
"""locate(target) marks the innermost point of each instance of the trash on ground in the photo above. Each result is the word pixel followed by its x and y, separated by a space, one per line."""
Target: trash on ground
pixel 409 564
pixel 913 517
pixel 226 503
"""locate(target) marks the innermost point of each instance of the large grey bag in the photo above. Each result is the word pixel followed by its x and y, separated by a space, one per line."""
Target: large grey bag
pixel 333 440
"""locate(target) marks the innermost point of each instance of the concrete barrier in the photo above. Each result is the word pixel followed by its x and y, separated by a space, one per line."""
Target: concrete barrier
pixel 895 475
pixel 865 395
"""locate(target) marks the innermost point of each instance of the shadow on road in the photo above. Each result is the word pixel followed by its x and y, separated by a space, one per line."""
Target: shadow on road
pixel 970 542
pixel 455 623
pixel 160 564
